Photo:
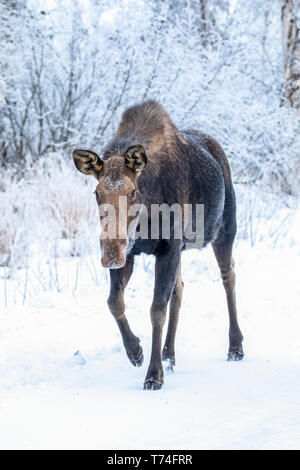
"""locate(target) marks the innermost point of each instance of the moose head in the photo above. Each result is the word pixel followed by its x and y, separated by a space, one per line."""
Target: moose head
pixel 115 192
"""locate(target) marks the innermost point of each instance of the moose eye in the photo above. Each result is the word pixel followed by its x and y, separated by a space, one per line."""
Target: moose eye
pixel 132 195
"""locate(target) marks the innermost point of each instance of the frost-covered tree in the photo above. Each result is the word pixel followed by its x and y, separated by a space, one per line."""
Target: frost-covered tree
pixel 290 25
pixel 11 13
pixel 216 65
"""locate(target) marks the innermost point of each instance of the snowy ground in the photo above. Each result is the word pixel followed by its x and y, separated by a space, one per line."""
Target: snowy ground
pixel 50 398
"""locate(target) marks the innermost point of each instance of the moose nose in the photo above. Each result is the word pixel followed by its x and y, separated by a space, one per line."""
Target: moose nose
pixel 113 263
pixel 113 256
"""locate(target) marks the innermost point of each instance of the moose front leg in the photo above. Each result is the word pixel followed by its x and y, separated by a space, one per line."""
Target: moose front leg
pixel 118 281
pixel 165 274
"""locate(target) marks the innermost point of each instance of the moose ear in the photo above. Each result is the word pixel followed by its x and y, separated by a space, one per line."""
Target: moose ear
pixel 136 158
pixel 87 162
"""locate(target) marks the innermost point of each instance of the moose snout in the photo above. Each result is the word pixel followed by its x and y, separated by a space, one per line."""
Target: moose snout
pixel 113 253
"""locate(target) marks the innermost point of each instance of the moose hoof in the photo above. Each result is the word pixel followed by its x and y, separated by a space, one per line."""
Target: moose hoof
pixel 136 359
pixel 152 384
pixel 235 354
pixel 139 361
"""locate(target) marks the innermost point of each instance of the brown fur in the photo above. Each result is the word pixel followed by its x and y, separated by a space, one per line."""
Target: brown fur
pixel 150 126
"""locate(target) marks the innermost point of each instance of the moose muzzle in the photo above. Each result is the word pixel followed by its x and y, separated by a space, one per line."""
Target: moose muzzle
pixel 113 253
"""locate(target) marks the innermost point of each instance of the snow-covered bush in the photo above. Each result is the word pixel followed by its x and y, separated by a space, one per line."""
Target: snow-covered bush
pixel 263 217
pixel 48 205
pixel 64 201
pixel 13 227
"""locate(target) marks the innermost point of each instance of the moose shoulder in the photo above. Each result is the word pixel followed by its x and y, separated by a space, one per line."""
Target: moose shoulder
pixel 150 164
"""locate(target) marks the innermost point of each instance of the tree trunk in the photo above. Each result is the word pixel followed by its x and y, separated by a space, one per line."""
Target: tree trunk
pixel 290 29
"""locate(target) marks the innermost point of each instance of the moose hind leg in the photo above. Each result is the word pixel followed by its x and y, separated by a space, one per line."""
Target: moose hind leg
pixel 168 353
pixel 223 253
pixel 118 281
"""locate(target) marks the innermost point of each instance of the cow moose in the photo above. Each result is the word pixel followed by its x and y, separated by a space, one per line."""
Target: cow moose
pixel 149 161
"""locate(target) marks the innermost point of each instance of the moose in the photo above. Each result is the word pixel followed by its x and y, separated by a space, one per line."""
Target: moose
pixel 149 161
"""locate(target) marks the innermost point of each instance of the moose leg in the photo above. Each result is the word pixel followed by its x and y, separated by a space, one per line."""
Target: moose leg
pixel 165 274
pixel 223 253
pixel 118 281
pixel 168 353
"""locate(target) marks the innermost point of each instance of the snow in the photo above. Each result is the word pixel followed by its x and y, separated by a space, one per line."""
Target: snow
pixel 65 380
